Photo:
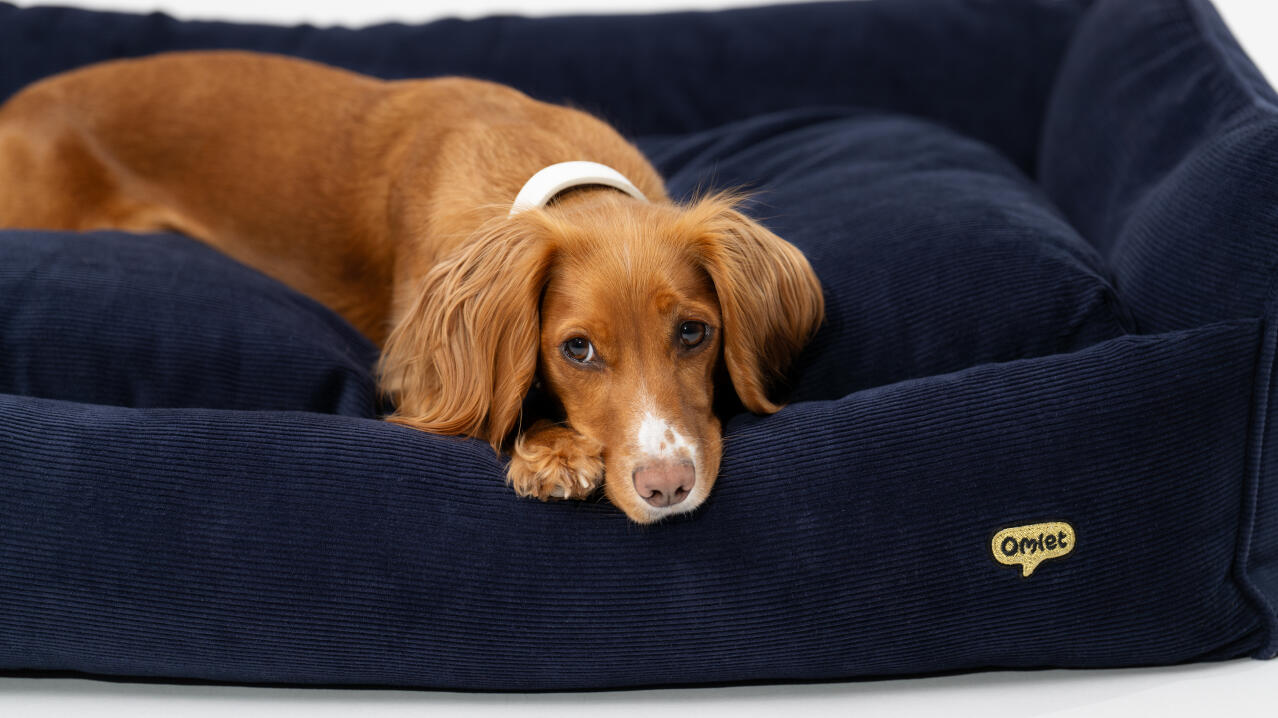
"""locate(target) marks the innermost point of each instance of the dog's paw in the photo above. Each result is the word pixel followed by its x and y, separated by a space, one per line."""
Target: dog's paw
pixel 552 461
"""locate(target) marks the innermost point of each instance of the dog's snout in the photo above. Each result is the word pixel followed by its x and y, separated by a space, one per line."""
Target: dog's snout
pixel 665 483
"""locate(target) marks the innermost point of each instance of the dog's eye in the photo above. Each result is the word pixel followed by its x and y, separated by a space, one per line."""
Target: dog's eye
pixel 579 349
pixel 692 333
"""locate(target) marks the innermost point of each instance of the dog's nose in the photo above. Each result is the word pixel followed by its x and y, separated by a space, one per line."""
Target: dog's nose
pixel 665 483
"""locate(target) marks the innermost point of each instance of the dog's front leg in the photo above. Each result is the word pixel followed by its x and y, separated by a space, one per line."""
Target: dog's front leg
pixel 553 461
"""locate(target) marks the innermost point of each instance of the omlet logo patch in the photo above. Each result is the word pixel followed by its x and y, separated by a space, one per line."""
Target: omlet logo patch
pixel 1028 546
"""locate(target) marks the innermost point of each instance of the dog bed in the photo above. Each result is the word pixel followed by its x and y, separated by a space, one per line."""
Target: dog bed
pixel 1034 431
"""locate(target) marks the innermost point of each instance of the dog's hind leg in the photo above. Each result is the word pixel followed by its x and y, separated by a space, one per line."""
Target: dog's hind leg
pixel 51 177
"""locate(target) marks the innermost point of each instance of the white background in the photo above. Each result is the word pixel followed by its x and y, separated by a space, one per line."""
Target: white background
pixel 1234 688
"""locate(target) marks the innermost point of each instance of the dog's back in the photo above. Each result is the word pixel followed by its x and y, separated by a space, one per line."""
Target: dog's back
pixel 312 174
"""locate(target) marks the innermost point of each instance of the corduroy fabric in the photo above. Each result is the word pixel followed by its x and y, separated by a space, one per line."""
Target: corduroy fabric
pixel 1257 553
pixel 651 74
pixel 922 239
pixel 173 522
pixel 300 547
pixel 161 321
pixel 1161 146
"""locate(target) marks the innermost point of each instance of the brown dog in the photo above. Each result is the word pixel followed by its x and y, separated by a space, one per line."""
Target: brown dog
pixel 391 202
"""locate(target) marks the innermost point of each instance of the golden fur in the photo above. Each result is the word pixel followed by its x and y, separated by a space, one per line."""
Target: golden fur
pixel 388 202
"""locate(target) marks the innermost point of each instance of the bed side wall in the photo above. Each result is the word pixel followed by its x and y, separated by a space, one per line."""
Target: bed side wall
pixel 1161 147
pixel 1257 560
pixel 983 68
pixel 850 538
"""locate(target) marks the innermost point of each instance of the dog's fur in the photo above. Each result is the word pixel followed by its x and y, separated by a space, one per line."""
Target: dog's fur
pixel 388 202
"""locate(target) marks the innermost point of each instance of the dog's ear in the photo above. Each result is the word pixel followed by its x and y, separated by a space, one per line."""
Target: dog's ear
pixel 769 296
pixel 464 356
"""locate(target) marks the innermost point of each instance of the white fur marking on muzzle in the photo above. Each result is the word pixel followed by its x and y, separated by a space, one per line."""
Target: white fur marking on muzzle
pixel 658 439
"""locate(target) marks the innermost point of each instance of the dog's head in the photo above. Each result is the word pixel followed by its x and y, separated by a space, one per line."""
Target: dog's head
pixel 627 311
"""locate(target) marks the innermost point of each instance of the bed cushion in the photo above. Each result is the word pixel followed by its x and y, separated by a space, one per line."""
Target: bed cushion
pixel 164 321
pixel 935 252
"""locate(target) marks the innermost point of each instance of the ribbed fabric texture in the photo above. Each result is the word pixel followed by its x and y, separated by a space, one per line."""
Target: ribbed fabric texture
pixel 922 238
pixel 194 483
pixel 1257 552
pixel 652 74
pixel 1161 146
pixel 846 538
pixel 162 321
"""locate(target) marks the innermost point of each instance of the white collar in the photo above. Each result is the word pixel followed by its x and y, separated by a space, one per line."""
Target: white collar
pixel 550 181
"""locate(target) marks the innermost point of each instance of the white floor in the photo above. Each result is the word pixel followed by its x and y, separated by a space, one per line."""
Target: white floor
pixel 1233 688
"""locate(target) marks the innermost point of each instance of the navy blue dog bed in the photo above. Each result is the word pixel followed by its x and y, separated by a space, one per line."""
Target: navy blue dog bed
pixel 1034 431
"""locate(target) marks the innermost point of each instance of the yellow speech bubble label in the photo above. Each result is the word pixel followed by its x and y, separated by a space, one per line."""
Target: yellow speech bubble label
pixel 1028 546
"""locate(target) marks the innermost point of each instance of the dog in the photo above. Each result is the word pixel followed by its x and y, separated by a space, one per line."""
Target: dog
pixel 392 202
